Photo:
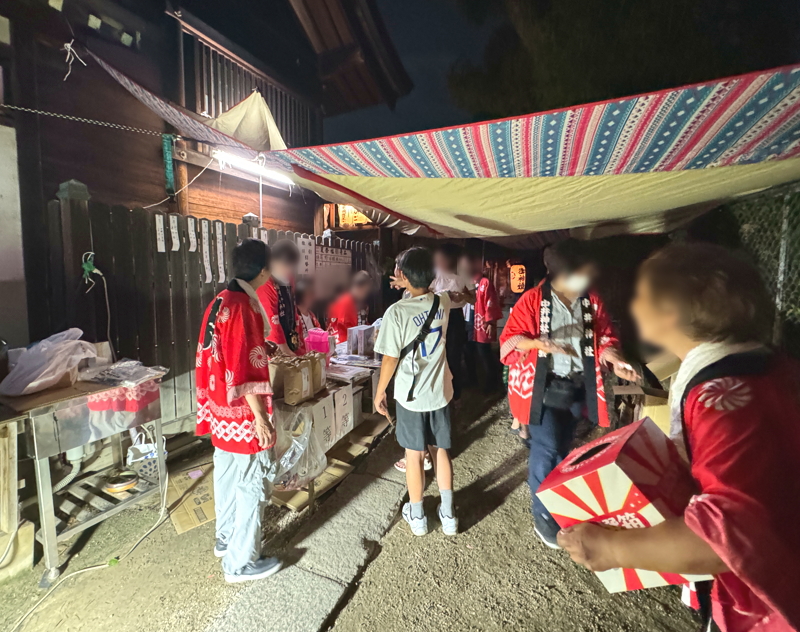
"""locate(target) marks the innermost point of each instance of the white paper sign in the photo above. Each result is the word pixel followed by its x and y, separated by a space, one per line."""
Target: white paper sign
pixel 264 234
pixel 254 232
pixel 324 422
pixel 219 228
pixel 173 231
pixel 161 243
pixel 205 228
pixel 343 410
pixel 333 268
pixel 192 226
pixel 307 248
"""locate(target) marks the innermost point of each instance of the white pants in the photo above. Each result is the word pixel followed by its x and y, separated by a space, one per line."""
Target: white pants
pixel 241 491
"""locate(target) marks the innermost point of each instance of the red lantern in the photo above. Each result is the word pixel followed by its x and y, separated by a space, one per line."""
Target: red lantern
pixel 518 279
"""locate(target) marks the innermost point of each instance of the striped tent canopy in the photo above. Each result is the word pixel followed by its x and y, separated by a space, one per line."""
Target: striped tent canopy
pixel 626 160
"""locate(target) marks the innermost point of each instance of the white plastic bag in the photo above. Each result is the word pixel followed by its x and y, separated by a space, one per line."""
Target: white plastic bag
pixel 143 455
pixel 43 364
pixel 299 455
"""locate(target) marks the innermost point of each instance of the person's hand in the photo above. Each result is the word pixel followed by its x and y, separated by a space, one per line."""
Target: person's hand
pixel 396 283
pixel 382 404
pixel 621 368
pixel 271 347
pixel 548 346
pixel 265 432
pixel 589 545
pixel 488 328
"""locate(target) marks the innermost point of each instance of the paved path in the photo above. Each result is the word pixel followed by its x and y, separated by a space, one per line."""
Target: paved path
pixel 495 575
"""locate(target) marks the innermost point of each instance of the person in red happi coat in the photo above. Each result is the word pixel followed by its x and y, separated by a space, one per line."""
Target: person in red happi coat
pixel 234 406
pixel 736 410
pixel 556 343
pixel 482 320
pixel 277 297
pixel 350 309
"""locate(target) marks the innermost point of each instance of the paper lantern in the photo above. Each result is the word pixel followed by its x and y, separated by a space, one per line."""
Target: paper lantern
pixel 631 478
pixel 518 279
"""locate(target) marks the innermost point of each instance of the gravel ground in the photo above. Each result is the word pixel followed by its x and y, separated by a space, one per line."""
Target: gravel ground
pixel 495 575
pixel 170 582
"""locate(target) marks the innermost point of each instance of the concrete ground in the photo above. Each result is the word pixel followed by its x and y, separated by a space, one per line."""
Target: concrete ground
pixel 494 575
pixel 352 565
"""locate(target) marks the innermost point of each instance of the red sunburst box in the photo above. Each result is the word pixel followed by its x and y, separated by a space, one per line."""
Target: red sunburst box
pixel 630 478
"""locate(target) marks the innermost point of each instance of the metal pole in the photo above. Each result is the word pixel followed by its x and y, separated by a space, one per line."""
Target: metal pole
pixel 777 326
pixel 260 202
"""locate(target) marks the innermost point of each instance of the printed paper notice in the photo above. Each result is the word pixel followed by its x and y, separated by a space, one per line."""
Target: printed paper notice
pixel 219 229
pixel 161 243
pixel 192 226
pixel 205 227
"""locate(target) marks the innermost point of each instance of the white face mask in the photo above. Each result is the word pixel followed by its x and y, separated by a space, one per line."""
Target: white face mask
pixel 577 283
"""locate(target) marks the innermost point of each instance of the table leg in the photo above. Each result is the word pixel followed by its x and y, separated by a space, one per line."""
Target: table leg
pixel 117 455
pixel 47 517
pixel 162 465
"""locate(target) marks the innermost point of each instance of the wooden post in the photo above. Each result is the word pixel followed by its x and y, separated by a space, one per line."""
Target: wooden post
pixel 181 180
pixel 319 218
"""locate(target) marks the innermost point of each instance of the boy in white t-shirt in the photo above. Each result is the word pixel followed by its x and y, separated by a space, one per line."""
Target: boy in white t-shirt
pixel 423 386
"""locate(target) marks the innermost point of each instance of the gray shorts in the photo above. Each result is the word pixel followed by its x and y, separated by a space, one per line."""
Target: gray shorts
pixel 418 430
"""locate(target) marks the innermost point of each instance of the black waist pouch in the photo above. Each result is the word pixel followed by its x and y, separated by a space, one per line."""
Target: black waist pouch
pixel 560 393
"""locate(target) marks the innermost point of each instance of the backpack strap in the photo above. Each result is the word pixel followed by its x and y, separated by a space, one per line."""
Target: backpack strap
pixel 412 346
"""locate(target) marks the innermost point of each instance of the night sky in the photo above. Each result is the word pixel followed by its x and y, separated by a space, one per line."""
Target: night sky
pixel 429 36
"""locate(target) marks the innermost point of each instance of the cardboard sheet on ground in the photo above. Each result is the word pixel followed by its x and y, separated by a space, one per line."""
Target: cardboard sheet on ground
pixel 197 507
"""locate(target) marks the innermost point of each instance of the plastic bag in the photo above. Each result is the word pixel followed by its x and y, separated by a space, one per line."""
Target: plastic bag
pixel 127 373
pixel 300 457
pixel 143 455
pixel 44 363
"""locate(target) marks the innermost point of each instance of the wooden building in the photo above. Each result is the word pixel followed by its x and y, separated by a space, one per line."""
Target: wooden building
pixel 308 59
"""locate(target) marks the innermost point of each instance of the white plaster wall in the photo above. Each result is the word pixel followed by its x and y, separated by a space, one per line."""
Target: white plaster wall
pixel 13 304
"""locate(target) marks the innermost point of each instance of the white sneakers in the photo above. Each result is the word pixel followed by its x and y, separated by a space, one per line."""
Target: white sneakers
pixel 449 523
pixel 419 526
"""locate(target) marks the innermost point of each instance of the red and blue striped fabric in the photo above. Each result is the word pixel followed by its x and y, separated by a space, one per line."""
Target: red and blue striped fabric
pixel 740 120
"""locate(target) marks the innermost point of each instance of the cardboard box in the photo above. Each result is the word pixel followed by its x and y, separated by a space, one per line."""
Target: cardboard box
pixel 358 413
pixel 361 340
pixel 664 366
pixel 324 421
pixel 197 507
pixel 319 375
pixel 630 478
pixel 297 381
pixel 654 404
pixel 343 410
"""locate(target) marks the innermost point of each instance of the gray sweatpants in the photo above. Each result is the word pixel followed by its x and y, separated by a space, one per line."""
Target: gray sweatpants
pixel 241 491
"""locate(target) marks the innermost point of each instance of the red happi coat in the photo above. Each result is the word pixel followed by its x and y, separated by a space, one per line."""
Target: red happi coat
pixel 523 322
pixel 487 310
pixel 343 314
pixel 268 294
pixel 743 434
pixel 231 362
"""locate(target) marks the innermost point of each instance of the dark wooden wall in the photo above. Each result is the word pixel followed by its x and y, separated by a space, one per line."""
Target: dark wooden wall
pixel 221 196
pixel 119 167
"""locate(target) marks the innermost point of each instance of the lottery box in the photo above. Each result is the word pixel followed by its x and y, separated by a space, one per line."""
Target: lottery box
pixel 631 478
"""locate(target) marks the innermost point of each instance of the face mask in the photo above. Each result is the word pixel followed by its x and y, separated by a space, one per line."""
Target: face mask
pixel 577 283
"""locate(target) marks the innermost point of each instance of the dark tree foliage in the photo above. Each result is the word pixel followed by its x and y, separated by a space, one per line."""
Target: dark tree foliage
pixel 547 54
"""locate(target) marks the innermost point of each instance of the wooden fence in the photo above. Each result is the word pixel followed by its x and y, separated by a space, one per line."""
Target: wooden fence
pixel 157 268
